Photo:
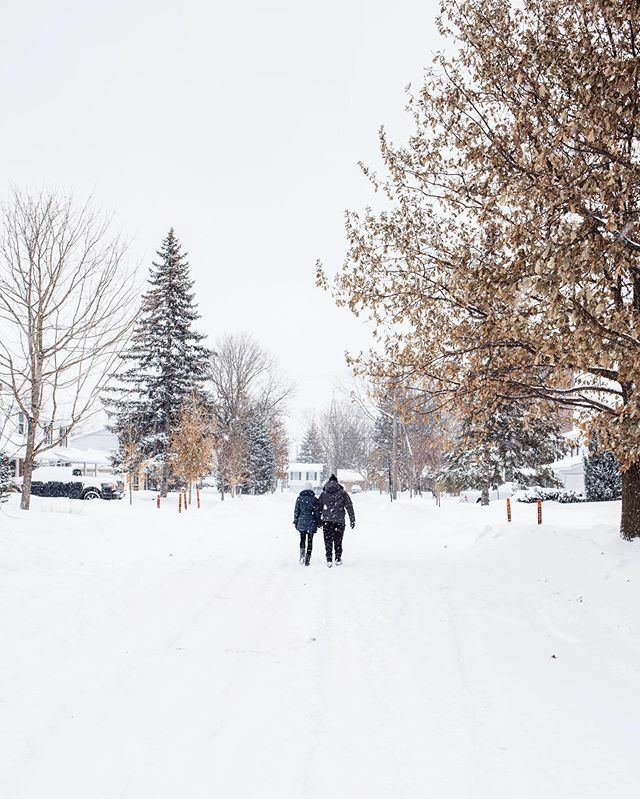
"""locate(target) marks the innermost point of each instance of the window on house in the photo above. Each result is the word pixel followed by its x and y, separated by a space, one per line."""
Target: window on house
pixel 48 433
pixel 312 475
pixel 296 475
pixel 21 423
pixel 64 436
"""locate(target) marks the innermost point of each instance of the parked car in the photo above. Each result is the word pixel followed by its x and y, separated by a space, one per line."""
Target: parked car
pixel 65 481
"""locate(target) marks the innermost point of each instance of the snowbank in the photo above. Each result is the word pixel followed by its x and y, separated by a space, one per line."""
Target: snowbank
pixel 453 655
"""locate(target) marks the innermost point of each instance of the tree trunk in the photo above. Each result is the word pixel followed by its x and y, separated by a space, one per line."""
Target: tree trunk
pixel 130 488
pixel 394 460
pixel 164 486
pixel 484 500
pixel 630 519
pixel 27 472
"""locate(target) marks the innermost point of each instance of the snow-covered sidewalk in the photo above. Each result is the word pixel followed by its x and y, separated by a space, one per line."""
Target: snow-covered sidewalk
pixel 148 655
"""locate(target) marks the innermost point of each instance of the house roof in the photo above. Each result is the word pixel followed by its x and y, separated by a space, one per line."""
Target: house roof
pixel 350 476
pixel 70 455
pixel 566 463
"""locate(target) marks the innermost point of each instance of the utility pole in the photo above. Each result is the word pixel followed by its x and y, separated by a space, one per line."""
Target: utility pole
pixel 394 451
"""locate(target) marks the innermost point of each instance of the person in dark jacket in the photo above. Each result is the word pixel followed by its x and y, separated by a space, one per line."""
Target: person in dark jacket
pixel 334 501
pixel 306 518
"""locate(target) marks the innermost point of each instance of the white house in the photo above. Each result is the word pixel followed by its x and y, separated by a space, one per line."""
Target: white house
pixel 301 473
pixel 89 451
pixel 13 430
pixel 101 439
pixel 570 470
pixel 351 480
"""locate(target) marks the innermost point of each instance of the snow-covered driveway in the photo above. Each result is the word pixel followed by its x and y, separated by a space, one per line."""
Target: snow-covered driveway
pixel 145 654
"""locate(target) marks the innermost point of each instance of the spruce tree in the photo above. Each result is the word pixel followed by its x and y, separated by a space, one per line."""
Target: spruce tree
pixel 311 447
pixel 602 477
pixel 5 478
pixel 261 462
pixel 165 362
pixel 510 445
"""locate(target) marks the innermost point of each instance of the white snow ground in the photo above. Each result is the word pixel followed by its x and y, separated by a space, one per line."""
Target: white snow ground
pixel 145 654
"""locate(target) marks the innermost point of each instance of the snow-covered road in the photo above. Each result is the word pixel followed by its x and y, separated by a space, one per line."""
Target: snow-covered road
pixel 150 655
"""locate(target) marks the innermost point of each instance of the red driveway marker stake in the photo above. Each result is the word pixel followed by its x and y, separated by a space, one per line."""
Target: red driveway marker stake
pixel 198 498
pixel 508 509
pixel 179 503
pixel 539 511
pixel 158 501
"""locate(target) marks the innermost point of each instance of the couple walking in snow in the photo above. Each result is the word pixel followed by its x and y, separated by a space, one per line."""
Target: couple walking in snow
pixel 326 511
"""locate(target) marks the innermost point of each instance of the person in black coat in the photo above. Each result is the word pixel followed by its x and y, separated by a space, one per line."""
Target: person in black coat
pixel 334 501
pixel 306 519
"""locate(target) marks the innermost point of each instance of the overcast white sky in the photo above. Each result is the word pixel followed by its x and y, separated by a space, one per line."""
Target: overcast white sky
pixel 240 124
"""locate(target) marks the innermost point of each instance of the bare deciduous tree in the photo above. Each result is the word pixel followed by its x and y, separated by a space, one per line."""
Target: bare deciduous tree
pixel 242 369
pixel 243 375
pixel 345 432
pixel 131 457
pixel 280 442
pixel 65 310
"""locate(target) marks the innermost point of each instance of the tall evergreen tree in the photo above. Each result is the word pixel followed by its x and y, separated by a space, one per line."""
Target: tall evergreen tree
pixel 602 477
pixel 261 461
pixel 5 478
pixel 311 447
pixel 165 362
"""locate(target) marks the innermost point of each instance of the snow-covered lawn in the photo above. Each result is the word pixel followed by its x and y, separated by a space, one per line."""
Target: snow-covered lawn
pixel 147 655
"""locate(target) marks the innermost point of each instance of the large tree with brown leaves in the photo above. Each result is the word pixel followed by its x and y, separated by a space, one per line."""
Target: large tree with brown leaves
pixel 507 265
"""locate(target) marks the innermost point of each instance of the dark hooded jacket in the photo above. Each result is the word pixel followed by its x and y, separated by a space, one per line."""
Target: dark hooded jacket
pixel 306 515
pixel 334 501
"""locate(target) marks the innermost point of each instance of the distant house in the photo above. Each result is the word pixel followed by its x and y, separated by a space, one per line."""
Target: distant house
pixel 100 439
pixel 13 434
pixel 301 473
pixel 570 470
pixel 351 479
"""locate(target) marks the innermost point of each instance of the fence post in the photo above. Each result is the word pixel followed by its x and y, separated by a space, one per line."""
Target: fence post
pixel 198 497
pixel 184 493
pixel 179 503
pixel 508 509
pixel 539 511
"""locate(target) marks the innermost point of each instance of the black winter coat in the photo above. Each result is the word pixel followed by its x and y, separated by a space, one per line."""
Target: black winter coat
pixel 334 501
pixel 306 516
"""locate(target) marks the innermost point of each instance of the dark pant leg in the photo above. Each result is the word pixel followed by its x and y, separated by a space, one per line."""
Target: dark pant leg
pixel 328 531
pixel 302 544
pixel 309 547
pixel 337 540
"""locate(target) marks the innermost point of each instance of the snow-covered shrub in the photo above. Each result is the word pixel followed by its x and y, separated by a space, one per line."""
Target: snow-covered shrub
pixel 535 493
pixel 56 488
pixel 5 478
pixel 602 478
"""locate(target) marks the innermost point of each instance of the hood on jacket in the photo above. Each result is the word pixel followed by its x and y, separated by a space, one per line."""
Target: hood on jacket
pixel 332 485
pixel 307 491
